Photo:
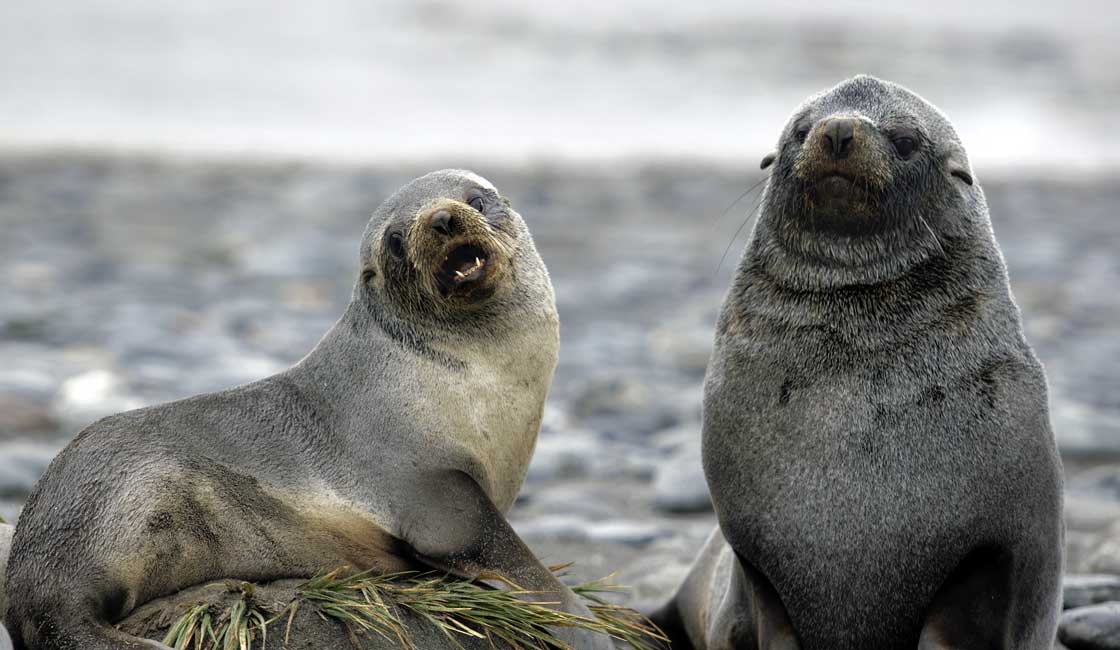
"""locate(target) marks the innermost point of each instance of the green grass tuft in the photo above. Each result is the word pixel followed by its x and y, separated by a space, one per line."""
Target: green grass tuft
pixel 203 628
pixel 373 604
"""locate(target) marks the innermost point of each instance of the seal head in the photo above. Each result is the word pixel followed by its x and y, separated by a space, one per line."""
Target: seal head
pixel 862 174
pixel 443 248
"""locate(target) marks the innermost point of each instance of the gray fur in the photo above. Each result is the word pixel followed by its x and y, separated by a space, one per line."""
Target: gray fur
pixel 876 431
pixel 399 441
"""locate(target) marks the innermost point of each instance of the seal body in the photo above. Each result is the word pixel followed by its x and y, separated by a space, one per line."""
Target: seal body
pixel 399 442
pixel 876 434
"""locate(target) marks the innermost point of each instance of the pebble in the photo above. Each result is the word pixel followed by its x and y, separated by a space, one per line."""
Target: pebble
pixel 21 464
pixel 1106 557
pixel 620 406
pixel 6 532
pixel 564 455
pixel 1096 627
pixel 1102 481
pixel 1081 590
pixel 680 486
pixel 92 395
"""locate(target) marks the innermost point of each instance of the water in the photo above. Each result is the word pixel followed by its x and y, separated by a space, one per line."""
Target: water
pixel 1028 86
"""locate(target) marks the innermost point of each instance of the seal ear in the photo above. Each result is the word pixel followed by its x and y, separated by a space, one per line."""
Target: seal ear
pixel 768 159
pixel 958 165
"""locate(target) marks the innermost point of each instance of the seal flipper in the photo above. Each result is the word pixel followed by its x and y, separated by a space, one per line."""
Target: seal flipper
pixel 725 604
pixel 971 610
pixel 461 531
pixel 772 627
pixel 58 629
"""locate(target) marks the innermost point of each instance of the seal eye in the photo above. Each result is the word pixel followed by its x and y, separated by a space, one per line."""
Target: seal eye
pixel 801 134
pixel 396 245
pixel 905 146
pixel 477 203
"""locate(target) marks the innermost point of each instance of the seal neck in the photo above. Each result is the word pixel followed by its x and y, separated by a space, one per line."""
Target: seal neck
pixel 795 256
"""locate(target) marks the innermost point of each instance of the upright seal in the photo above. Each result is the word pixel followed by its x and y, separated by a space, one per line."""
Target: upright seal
pixel 399 441
pixel 876 434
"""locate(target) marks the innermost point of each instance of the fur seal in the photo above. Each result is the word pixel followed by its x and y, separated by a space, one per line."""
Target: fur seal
pixel 399 441
pixel 876 431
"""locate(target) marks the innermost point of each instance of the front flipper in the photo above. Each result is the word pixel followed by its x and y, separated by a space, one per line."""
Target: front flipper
pixel 971 610
pixel 772 627
pixel 456 528
pixel 726 604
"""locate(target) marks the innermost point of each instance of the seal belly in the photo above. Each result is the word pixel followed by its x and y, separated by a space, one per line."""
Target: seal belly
pixel 836 511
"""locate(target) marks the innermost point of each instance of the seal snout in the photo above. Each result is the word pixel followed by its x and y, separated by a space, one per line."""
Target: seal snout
pixel 842 164
pixel 838 136
pixel 456 242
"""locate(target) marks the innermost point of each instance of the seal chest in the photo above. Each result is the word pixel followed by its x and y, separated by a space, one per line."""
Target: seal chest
pixel 493 405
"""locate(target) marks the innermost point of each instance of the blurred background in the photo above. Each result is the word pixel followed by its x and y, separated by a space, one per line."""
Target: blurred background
pixel 183 187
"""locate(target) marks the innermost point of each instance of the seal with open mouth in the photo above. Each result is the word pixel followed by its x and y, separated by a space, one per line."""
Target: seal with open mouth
pixel 399 442
pixel 876 435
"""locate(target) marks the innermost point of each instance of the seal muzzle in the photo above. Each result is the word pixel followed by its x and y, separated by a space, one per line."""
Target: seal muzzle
pixel 456 251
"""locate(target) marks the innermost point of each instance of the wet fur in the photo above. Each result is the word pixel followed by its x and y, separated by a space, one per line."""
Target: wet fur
pixel 876 432
pixel 399 441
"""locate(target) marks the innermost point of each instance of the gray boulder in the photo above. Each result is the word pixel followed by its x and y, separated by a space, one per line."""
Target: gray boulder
pixel 1096 627
pixel 1084 590
pixel 6 532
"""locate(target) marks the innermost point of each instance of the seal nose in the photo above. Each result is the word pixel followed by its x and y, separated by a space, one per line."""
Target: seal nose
pixel 440 221
pixel 838 136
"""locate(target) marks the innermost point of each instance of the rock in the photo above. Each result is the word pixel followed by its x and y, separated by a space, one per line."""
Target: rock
pixel 564 455
pixel 21 464
pixel 1096 627
pixel 628 532
pixel 685 343
pixel 620 406
pixel 1090 513
pixel 6 532
pixel 92 395
pixel 680 486
pixel 1083 429
pixel 22 417
pixel 1084 590
pixel 576 530
pixel 1106 558
pixel 1102 482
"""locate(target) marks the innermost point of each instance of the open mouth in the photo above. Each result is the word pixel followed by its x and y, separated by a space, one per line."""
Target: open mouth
pixel 463 265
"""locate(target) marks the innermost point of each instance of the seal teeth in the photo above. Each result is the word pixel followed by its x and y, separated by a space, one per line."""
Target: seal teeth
pixel 460 274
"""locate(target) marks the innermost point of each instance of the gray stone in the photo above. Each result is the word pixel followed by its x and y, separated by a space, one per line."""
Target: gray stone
pixel 628 532
pixel 1103 482
pixel 685 343
pixel 21 464
pixel 6 532
pixel 1079 590
pixel 1106 557
pixel 1096 627
pixel 1090 512
pixel 621 406
pixel 680 486
pixel 20 416
pixel 92 395
pixel 564 455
